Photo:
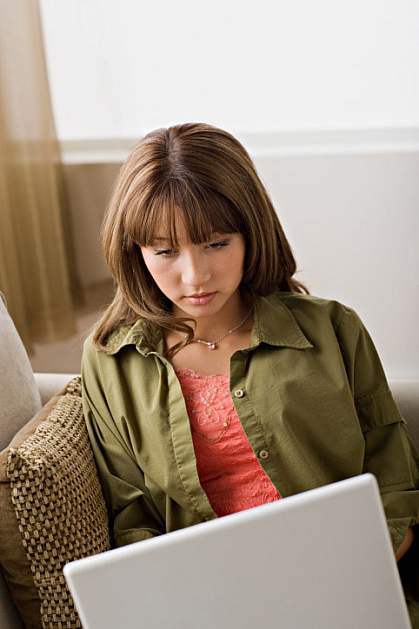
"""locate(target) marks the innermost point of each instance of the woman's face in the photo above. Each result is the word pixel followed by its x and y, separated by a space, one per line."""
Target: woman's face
pixel 213 267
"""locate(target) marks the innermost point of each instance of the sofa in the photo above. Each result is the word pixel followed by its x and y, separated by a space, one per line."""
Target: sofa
pixel 39 413
pixel 52 509
pixel 47 385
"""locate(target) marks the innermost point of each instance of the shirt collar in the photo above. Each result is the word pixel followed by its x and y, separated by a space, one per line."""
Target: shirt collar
pixel 274 324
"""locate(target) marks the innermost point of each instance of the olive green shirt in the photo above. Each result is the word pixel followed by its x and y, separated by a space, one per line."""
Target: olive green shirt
pixel 310 393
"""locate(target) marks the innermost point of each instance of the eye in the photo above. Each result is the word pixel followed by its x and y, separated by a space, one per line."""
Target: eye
pixel 164 252
pixel 219 245
pixel 168 253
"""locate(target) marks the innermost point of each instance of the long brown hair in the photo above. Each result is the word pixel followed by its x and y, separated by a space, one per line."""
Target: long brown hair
pixel 205 174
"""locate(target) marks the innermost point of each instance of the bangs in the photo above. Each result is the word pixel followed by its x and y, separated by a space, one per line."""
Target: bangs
pixel 202 212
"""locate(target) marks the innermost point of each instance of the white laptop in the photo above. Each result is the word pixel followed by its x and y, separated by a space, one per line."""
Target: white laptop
pixel 321 559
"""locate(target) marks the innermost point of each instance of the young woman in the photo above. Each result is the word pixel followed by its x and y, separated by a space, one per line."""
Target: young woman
pixel 214 382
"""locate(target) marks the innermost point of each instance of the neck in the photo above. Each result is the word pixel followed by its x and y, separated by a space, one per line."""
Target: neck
pixel 213 326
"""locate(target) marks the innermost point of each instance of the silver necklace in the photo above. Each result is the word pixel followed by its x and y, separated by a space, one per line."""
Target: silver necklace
pixel 213 344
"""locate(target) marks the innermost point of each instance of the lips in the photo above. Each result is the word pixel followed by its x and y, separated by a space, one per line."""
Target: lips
pixel 201 299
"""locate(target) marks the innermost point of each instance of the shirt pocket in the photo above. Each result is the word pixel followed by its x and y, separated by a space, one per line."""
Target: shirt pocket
pixel 389 452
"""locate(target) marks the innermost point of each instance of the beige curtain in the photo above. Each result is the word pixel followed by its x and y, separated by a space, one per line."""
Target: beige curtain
pixel 37 270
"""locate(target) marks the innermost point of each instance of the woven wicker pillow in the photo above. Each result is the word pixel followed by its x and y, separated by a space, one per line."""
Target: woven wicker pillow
pixel 59 509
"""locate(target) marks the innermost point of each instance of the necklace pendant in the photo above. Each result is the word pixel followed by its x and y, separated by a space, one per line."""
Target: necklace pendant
pixel 212 346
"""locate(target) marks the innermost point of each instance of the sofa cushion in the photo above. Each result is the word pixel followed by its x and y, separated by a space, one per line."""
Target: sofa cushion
pixel 53 510
pixel 19 395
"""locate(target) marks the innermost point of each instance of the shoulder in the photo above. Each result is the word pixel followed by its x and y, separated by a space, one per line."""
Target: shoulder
pixel 324 321
pixel 90 360
pixel 123 345
pixel 100 371
pixel 94 359
pixel 315 310
pixel 123 334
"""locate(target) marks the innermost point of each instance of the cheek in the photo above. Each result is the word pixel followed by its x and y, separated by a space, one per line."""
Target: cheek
pixel 161 276
pixel 155 268
pixel 230 265
pixel 236 260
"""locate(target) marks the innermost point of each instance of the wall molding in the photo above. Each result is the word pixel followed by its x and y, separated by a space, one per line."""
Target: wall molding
pixel 266 144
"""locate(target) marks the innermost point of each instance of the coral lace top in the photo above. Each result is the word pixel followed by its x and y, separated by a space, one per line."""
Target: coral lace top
pixel 228 469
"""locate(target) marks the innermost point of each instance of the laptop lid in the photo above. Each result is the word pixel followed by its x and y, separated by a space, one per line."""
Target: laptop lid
pixel 321 559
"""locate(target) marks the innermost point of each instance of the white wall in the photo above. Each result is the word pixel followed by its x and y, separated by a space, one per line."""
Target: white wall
pixel 353 221
pixel 120 68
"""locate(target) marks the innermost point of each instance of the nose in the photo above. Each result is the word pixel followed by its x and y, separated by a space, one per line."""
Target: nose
pixel 195 271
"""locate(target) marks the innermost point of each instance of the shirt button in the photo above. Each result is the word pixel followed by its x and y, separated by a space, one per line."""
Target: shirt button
pixel 239 392
pixel 264 454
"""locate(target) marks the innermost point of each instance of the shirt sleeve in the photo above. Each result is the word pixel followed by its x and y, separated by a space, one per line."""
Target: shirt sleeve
pixel 132 513
pixel 389 450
